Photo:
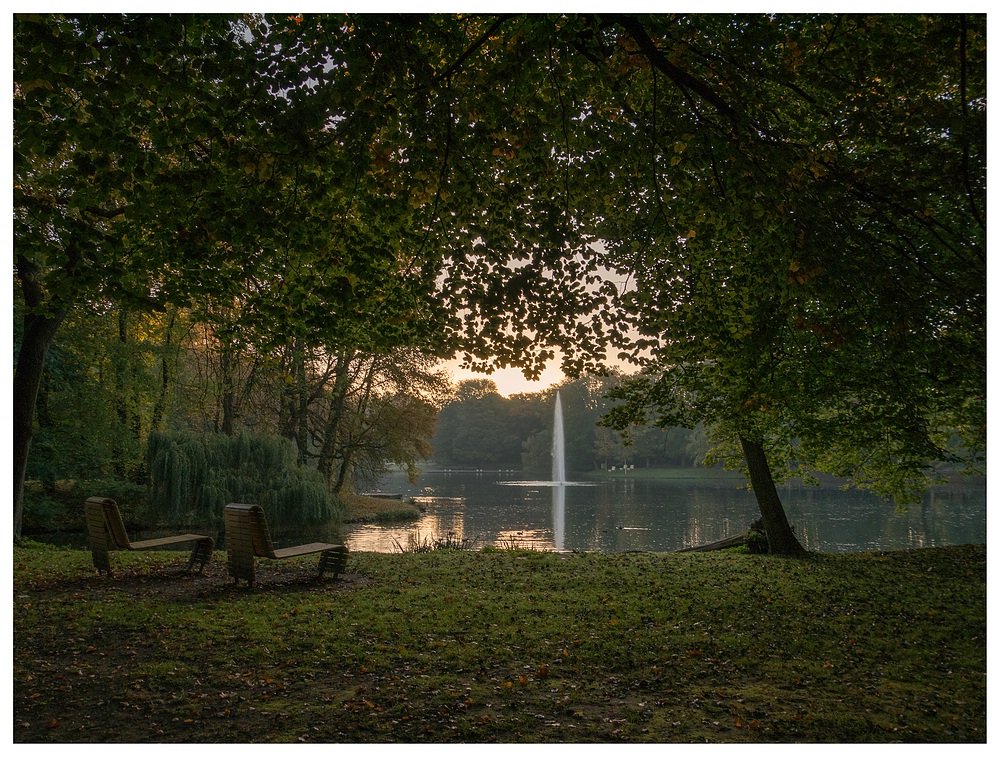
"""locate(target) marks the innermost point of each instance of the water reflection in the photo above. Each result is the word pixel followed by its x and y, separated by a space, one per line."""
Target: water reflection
pixel 624 514
pixel 559 517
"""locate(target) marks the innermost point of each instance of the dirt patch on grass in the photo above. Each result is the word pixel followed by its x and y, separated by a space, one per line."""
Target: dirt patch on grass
pixel 174 583
pixel 116 681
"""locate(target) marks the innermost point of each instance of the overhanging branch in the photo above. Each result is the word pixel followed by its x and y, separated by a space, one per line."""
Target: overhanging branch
pixel 678 76
pixel 473 47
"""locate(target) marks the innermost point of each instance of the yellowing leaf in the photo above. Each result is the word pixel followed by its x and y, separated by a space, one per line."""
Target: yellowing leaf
pixel 37 84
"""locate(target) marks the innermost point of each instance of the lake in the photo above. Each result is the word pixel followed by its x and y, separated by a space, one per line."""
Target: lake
pixel 625 513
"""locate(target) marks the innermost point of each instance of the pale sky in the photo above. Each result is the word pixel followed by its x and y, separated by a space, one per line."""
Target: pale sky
pixel 511 381
pixel 508 380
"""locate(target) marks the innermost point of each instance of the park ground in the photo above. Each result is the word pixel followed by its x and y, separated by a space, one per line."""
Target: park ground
pixel 506 646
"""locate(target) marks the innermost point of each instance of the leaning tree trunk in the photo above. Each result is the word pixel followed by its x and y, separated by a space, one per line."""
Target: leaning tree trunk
pixel 39 331
pixel 780 537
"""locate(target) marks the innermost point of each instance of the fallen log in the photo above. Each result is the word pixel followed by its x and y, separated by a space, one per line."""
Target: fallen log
pixel 732 541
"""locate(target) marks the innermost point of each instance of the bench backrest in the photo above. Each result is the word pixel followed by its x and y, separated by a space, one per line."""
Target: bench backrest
pixel 105 528
pixel 247 531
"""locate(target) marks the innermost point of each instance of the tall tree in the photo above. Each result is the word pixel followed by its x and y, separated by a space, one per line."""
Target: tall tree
pixel 174 159
pixel 797 201
pixel 391 416
pixel 118 126
pixel 810 274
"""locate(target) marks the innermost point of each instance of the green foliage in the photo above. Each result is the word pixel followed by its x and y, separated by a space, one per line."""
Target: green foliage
pixel 59 506
pixel 193 477
pixel 98 394
pixel 756 539
pixel 132 498
pixel 416 543
pixel 42 511
pixel 782 216
pixel 820 276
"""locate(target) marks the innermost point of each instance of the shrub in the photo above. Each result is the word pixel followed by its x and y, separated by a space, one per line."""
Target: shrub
pixel 193 477
pixel 42 512
pixel 59 506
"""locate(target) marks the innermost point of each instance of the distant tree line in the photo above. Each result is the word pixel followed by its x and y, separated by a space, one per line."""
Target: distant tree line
pixel 478 428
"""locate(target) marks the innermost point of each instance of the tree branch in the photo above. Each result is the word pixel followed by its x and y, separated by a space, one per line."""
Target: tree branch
pixel 678 76
pixel 474 47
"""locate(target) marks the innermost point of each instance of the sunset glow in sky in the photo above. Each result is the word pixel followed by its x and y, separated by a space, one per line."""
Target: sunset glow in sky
pixel 509 380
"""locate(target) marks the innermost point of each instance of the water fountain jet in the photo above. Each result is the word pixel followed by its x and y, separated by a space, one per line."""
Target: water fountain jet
pixel 558 445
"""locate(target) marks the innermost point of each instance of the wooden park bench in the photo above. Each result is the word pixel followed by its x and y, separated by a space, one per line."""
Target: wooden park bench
pixel 247 537
pixel 106 533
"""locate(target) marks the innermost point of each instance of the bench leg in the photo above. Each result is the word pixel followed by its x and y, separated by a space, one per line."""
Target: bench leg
pixel 243 577
pixel 333 560
pixel 241 567
pixel 201 554
pixel 102 561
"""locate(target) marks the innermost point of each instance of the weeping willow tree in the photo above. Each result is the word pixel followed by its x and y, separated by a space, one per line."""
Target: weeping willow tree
pixel 193 477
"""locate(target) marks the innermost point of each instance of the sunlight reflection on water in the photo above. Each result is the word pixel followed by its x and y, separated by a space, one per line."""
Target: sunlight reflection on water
pixel 483 508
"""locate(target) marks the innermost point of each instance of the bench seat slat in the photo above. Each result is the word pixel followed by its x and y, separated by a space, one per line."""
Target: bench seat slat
pixel 165 540
pixel 305 549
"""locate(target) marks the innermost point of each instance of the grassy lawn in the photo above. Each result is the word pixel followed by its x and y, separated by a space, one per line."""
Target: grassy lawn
pixel 362 509
pixel 503 646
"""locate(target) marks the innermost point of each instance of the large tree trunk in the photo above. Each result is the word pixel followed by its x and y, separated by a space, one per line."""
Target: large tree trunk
pixel 39 331
pixel 780 537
